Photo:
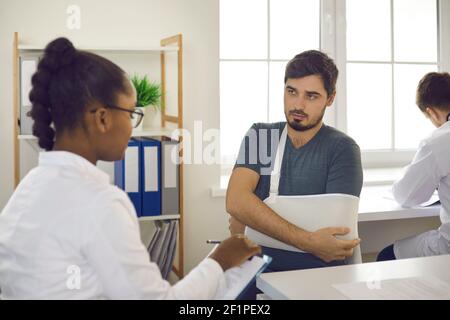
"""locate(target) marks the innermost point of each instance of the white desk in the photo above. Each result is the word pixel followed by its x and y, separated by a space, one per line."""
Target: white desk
pixel 317 283
pixel 382 220
pixel 374 206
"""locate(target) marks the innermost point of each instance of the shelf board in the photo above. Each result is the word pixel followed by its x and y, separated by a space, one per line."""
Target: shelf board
pixel 153 132
pixel 33 48
pixel 161 217
pixel 150 132
pixel 26 137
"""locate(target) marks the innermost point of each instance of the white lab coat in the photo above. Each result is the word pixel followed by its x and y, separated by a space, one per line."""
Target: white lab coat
pixel 429 170
pixel 67 233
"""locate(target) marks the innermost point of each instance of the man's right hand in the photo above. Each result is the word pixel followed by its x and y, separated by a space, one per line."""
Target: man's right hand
pixel 234 251
pixel 324 244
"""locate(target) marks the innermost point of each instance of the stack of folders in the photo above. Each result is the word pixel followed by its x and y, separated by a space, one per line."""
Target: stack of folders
pixel 162 246
pixel 149 173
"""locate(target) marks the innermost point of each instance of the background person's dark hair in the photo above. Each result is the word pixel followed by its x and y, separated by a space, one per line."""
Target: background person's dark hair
pixel 65 82
pixel 313 62
pixel 434 91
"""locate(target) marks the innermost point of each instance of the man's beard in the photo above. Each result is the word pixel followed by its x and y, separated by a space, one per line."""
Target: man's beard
pixel 297 126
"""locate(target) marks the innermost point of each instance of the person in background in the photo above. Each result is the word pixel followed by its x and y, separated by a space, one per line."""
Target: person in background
pixel 65 219
pixel 429 170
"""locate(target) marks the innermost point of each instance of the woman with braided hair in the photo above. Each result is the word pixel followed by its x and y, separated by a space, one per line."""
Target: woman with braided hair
pixel 66 232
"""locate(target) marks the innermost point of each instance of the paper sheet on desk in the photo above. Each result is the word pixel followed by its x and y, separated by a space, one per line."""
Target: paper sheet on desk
pixel 416 288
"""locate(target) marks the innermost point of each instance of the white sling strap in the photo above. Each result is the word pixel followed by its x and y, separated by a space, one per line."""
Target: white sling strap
pixel 276 171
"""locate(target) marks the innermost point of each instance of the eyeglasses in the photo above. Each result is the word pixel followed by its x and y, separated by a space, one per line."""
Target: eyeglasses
pixel 139 114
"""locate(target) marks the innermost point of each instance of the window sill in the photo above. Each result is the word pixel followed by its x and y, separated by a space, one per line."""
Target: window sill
pixel 381 176
pixel 372 177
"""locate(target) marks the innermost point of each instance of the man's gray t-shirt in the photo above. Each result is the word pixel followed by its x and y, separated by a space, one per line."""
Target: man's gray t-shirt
pixel 329 163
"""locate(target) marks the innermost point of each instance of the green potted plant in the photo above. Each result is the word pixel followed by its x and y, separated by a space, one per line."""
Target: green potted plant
pixel 148 94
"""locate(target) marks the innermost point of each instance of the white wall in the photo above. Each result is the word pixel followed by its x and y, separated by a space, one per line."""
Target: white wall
pixel 128 23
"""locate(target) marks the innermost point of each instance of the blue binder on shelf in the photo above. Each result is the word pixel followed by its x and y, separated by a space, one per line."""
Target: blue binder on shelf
pixel 127 174
pixel 151 176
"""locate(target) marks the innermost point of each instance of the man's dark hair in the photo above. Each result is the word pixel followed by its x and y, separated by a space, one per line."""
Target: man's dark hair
pixel 313 62
pixel 67 80
pixel 434 91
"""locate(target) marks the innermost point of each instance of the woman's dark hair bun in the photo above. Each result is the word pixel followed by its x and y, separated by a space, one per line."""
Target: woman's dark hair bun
pixel 59 53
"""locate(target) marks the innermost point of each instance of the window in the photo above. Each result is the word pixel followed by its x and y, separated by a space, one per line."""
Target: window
pixel 381 47
pixel 391 44
pixel 253 54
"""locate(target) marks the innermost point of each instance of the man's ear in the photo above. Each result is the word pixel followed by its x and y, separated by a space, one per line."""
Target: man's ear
pixel 430 112
pixel 433 115
pixel 330 99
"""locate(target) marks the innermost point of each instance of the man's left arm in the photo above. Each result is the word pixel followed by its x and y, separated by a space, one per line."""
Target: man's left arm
pixel 420 179
pixel 345 173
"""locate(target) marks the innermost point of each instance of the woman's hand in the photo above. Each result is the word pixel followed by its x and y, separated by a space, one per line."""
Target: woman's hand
pixel 234 251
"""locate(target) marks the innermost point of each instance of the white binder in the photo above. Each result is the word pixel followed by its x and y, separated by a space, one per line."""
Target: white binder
pixel 28 67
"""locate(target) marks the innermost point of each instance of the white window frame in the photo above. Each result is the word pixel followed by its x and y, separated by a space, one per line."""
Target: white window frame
pixel 226 159
pixel 333 42
pixel 337 23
